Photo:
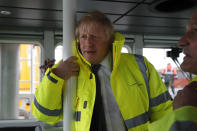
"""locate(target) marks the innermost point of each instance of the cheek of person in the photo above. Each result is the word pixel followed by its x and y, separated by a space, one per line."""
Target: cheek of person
pixel 194 55
pixel 189 43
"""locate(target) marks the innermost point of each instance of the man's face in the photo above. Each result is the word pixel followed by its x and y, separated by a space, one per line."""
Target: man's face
pixel 94 44
pixel 189 43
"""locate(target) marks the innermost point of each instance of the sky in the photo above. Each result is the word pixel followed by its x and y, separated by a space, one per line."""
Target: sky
pixel 158 57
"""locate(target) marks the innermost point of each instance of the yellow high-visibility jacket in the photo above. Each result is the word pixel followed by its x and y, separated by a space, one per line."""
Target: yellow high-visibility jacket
pixel 137 106
pixel 182 119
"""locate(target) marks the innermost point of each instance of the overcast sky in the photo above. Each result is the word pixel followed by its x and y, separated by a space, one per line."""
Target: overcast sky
pixel 158 57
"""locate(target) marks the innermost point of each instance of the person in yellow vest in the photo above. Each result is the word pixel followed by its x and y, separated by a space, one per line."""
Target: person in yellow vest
pixel 115 91
pixel 184 116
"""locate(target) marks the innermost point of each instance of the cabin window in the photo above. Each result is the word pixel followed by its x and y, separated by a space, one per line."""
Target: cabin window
pixel 158 57
pixel 19 78
pixel 124 50
pixel 29 68
pixel 58 53
pixel 29 77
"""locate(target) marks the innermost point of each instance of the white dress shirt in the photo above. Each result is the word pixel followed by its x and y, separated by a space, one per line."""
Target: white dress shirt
pixel 114 120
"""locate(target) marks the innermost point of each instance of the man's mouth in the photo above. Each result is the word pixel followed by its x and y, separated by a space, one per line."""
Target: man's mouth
pixel 90 52
pixel 186 56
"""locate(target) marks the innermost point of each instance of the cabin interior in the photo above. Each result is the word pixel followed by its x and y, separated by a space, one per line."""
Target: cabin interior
pixel 31 30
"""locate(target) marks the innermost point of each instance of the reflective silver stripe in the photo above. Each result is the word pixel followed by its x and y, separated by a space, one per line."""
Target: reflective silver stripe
pixel 51 78
pixel 77 116
pixel 85 104
pixel 143 68
pixel 136 121
pixel 46 111
pixel 160 99
pixel 183 126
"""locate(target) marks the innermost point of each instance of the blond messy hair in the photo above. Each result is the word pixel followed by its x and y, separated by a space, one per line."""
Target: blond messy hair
pixel 95 19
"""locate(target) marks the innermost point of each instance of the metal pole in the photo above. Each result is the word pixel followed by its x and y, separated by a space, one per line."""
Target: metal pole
pixel 49 44
pixel 68 36
pixel 138 45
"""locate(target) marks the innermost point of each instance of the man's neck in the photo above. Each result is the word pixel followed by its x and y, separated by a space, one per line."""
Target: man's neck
pixel 107 61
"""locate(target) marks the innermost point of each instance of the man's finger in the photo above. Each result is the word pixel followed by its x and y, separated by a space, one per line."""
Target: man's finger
pixel 192 84
pixel 75 73
pixel 75 65
pixel 72 58
pixel 179 92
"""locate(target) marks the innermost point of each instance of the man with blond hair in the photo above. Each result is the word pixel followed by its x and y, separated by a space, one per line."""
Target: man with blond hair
pixel 115 91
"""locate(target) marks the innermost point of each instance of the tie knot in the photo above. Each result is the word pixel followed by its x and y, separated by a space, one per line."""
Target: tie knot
pixel 95 68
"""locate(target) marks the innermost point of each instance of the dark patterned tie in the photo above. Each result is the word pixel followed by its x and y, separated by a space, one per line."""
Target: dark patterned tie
pixel 98 117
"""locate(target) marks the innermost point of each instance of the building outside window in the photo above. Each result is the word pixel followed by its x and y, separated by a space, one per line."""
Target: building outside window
pixel 29 77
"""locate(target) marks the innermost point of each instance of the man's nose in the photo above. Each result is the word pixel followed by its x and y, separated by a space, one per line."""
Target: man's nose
pixel 89 38
pixel 89 41
pixel 183 41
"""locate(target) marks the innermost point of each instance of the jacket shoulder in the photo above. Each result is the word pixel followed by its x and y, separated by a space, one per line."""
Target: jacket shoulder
pixel 127 56
pixel 132 57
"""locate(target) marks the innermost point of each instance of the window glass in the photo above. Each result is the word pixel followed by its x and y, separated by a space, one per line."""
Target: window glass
pixel 58 53
pixel 124 50
pixel 171 75
pixel 29 77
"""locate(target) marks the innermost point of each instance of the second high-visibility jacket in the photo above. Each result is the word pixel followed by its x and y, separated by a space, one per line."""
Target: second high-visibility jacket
pixel 181 119
pixel 137 106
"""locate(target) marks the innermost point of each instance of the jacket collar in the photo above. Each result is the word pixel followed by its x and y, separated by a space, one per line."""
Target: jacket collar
pixel 193 79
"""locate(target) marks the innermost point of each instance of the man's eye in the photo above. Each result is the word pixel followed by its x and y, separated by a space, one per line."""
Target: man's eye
pixel 195 29
pixel 94 36
pixel 83 36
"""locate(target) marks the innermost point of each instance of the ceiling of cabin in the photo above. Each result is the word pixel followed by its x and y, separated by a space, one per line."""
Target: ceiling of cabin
pixel 129 16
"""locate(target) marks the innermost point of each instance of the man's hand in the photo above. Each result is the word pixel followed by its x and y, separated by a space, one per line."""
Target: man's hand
pixel 186 97
pixel 67 68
